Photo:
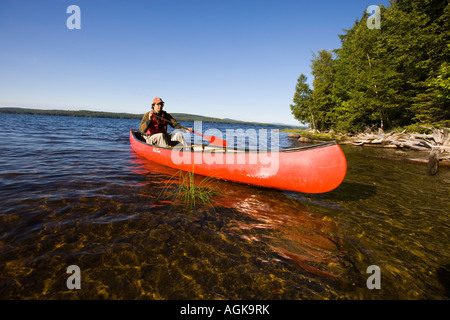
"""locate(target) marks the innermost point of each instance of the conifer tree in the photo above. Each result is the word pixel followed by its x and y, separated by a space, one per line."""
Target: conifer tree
pixel 393 76
pixel 302 102
pixel 322 99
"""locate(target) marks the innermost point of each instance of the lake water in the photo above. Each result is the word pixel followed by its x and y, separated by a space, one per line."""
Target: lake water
pixel 72 192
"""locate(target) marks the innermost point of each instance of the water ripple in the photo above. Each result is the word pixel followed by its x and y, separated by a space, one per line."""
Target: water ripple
pixel 72 192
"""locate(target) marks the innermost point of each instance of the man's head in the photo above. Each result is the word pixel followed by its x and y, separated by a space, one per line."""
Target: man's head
pixel 157 104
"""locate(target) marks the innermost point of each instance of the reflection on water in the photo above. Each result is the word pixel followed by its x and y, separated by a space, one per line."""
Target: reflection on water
pixel 68 199
pixel 302 236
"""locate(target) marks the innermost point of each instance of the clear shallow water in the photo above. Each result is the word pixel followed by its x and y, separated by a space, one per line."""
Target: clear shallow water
pixel 68 198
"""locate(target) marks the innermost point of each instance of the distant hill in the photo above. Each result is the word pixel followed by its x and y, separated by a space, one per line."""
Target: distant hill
pixel 102 114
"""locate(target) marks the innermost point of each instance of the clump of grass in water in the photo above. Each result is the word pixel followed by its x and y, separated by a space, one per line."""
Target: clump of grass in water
pixel 188 193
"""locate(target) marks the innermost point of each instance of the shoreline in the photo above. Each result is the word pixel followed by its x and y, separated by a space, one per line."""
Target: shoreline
pixel 184 117
pixel 432 149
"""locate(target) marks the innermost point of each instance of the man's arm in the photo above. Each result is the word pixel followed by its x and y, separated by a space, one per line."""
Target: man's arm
pixel 173 123
pixel 144 123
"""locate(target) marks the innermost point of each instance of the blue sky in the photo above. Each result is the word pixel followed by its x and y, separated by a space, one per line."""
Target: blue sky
pixel 236 59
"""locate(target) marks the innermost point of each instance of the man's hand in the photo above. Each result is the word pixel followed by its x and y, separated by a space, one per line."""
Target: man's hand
pixel 150 114
pixel 190 130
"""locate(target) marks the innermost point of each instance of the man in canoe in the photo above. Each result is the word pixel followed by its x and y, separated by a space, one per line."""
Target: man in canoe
pixel 154 124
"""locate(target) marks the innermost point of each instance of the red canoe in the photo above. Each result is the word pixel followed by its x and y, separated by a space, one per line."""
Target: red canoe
pixel 316 168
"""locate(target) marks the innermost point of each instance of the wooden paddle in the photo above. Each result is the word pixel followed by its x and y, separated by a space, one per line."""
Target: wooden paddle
pixel 213 140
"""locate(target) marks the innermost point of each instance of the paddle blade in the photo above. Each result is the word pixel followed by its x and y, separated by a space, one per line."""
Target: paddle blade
pixel 216 141
pixel 213 140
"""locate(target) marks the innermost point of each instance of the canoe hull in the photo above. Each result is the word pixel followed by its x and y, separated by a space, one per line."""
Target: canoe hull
pixel 313 169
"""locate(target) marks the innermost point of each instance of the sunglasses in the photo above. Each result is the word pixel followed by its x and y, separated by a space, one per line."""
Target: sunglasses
pixel 159 103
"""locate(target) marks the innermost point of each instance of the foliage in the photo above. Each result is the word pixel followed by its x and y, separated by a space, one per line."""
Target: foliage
pixel 319 136
pixel 384 78
pixel 302 107
pixel 322 99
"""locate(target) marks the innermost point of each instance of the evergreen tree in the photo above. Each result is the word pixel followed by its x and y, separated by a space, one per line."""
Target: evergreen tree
pixel 364 84
pixel 431 103
pixel 302 106
pixel 322 99
pixel 388 77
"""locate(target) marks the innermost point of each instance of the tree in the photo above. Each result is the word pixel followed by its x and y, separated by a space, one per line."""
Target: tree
pixel 393 76
pixel 431 102
pixel 322 100
pixel 433 105
pixel 302 106
pixel 363 80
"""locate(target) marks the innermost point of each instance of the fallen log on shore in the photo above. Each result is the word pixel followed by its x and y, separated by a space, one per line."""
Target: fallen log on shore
pixel 437 143
pixel 433 162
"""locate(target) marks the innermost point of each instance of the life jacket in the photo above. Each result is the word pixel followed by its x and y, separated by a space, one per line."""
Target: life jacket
pixel 158 125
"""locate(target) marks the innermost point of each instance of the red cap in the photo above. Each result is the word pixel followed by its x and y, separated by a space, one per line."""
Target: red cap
pixel 157 99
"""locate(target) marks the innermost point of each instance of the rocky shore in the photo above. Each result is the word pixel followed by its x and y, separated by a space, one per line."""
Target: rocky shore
pixel 435 145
